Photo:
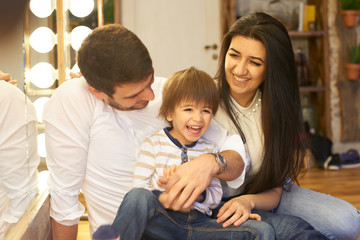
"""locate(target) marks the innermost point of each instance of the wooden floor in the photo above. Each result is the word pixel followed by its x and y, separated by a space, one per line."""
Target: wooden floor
pixel 344 184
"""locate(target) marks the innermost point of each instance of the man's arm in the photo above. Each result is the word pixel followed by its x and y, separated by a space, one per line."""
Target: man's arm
pixel 193 177
pixel 62 232
pixel 19 159
pixel 67 117
pixel 235 165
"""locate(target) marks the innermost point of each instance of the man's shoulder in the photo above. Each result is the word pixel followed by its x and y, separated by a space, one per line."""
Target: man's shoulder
pixel 73 90
pixel 9 91
pixel 75 85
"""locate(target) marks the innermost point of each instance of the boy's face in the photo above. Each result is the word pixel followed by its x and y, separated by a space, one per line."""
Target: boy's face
pixel 190 121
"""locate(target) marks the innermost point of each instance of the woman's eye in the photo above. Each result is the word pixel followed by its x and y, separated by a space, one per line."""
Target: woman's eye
pixel 256 63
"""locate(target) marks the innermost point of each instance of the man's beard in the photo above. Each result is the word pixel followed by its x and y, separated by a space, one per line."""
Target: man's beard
pixel 117 106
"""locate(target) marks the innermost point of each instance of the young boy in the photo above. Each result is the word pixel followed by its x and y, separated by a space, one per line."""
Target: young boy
pixel 190 99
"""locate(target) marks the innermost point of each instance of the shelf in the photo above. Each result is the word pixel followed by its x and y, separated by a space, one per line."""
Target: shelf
pixel 306 34
pixel 309 89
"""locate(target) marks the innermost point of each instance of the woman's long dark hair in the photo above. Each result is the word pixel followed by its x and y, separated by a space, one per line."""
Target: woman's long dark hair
pixel 282 122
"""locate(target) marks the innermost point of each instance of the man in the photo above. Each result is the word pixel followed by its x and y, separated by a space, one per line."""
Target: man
pixel 19 158
pixel 94 126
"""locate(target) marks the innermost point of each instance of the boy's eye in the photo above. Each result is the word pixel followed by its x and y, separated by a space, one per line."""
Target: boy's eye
pixel 187 109
pixel 207 111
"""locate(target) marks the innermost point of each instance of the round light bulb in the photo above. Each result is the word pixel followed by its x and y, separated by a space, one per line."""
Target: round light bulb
pixel 42 8
pixel 39 106
pixel 78 35
pixel 42 39
pixel 41 145
pixel 42 75
pixel 81 8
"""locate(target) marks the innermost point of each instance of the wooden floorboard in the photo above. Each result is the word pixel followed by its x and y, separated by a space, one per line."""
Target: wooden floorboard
pixel 344 184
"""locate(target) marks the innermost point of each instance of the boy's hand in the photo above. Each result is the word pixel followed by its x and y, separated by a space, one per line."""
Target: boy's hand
pixel 168 172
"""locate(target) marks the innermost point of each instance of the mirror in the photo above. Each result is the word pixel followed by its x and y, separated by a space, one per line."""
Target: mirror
pixel 22 141
pixel 19 159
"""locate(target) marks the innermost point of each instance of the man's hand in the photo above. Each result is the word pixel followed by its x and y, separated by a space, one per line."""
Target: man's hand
pixel 189 181
pixel 164 196
pixel 7 78
pixel 75 74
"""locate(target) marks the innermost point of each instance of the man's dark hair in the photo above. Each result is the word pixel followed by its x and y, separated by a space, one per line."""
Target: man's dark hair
pixel 111 56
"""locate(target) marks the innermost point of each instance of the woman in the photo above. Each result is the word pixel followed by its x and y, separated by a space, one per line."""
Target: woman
pixel 260 101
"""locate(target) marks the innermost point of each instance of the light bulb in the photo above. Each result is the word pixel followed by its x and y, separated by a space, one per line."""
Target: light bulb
pixel 78 35
pixel 42 75
pixel 41 145
pixel 81 8
pixel 42 39
pixel 39 106
pixel 42 8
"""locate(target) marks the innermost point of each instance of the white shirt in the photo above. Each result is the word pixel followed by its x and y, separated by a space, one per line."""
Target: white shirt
pixel 250 123
pixel 159 151
pixel 18 155
pixel 91 146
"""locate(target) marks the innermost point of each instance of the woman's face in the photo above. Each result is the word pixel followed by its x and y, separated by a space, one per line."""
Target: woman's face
pixel 245 63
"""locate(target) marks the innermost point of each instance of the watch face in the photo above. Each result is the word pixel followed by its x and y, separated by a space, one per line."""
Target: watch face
pixel 221 158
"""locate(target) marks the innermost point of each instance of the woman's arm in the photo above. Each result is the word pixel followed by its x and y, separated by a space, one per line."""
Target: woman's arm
pixel 238 209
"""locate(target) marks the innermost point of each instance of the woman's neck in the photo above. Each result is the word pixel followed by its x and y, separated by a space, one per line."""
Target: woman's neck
pixel 245 99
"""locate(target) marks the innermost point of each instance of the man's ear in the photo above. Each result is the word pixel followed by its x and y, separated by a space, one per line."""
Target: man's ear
pixel 98 94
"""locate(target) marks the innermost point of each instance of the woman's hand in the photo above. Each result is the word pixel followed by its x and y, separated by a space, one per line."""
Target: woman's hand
pixel 237 211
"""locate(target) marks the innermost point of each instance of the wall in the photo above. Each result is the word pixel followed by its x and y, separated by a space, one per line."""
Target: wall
pixel 336 65
pixel 11 54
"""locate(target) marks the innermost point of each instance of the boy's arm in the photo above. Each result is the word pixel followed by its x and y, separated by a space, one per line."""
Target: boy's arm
pixel 193 177
pixel 145 165
pixel 212 195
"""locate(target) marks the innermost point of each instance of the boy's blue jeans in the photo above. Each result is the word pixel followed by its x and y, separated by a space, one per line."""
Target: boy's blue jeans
pixel 141 215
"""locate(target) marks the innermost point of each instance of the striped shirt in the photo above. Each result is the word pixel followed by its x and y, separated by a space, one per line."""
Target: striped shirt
pixel 161 150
